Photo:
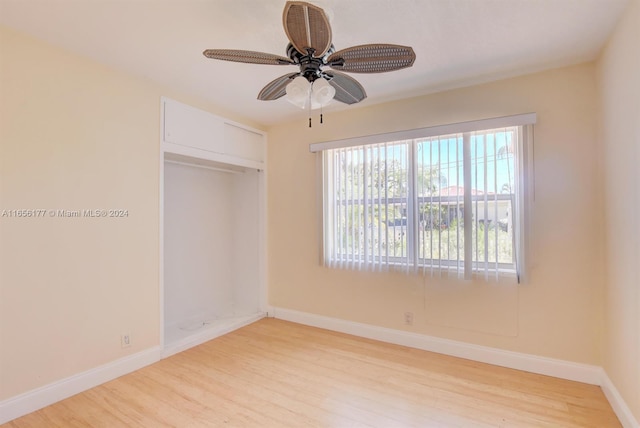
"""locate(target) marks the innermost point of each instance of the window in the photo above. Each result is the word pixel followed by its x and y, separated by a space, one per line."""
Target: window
pixel 449 202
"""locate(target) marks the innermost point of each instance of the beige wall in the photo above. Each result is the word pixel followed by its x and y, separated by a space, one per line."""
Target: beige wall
pixel 75 135
pixel 619 82
pixel 558 314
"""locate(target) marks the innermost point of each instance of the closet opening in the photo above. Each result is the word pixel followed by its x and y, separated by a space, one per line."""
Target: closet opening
pixel 212 238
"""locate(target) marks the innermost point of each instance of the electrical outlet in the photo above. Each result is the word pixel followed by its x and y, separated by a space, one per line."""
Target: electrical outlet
pixel 125 340
pixel 408 318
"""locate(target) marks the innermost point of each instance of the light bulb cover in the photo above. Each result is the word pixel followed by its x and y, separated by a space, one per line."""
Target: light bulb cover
pixel 321 93
pixel 298 91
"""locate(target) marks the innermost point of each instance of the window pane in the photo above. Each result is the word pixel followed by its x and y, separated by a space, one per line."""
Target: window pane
pixel 440 193
pixel 371 188
pixel 492 182
pixel 404 202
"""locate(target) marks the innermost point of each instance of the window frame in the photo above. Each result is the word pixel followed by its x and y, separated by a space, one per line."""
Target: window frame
pixel 523 194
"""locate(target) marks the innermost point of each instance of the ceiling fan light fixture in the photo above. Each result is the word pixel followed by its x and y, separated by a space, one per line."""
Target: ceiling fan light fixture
pixel 298 91
pixel 321 93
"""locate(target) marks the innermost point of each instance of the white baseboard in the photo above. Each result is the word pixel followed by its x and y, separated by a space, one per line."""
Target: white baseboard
pixel 36 399
pixel 562 369
pixel 515 360
pixel 217 329
pixel 31 401
pixel 617 403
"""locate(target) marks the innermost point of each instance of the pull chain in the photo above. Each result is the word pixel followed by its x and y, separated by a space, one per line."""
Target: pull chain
pixel 309 107
pixel 310 90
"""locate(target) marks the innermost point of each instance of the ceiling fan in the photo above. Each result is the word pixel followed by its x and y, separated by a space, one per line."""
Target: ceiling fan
pixel 310 48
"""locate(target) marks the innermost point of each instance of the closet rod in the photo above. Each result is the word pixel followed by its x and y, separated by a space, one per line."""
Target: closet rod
pixel 213 168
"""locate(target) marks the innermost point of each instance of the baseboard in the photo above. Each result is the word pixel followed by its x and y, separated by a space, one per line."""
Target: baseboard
pixel 217 330
pixel 531 363
pixel 617 403
pixel 36 399
pixel 562 369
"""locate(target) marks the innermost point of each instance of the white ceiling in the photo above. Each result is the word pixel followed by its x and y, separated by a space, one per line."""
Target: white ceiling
pixel 457 42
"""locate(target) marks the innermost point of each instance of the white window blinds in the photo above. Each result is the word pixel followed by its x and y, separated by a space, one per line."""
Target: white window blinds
pixel 449 203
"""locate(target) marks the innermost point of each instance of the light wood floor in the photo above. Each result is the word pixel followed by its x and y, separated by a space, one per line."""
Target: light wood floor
pixel 279 374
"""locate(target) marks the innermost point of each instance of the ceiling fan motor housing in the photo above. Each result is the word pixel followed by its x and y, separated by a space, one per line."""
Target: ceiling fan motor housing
pixel 310 66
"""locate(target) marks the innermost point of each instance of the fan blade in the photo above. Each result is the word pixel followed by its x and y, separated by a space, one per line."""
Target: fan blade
pixel 250 57
pixel 348 90
pixel 373 58
pixel 276 88
pixel 307 28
